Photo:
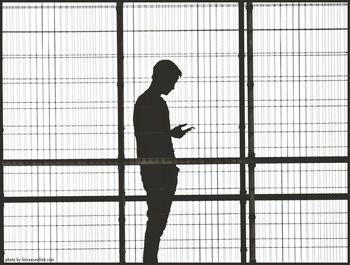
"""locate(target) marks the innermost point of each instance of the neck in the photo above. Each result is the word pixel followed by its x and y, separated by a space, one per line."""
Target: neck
pixel 154 89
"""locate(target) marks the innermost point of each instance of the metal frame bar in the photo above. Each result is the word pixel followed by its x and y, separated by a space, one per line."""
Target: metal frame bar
pixel 243 191
pixel 251 154
pixel 2 239
pixel 277 263
pixel 121 155
pixel 348 148
pixel 191 161
pixel 231 197
pixel 145 1
pixel 121 162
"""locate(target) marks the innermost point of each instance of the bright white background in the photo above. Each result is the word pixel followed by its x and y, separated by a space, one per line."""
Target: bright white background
pixel 60 101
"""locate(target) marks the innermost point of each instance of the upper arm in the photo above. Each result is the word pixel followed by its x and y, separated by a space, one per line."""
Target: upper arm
pixel 143 118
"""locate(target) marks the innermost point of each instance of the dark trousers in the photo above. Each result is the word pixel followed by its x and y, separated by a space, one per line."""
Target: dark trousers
pixel 160 196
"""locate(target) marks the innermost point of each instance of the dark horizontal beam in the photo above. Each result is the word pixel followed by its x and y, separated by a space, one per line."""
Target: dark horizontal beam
pixel 144 1
pixel 233 197
pixel 301 197
pixel 260 197
pixel 152 161
pixel 61 199
pixel 184 263
pixel 311 159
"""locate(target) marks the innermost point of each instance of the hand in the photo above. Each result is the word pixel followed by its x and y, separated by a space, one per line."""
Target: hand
pixel 177 132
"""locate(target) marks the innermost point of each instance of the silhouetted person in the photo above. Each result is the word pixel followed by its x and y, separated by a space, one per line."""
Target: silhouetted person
pixel 153 137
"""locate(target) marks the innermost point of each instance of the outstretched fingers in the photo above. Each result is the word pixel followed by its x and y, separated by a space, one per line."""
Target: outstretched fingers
pixel 189 129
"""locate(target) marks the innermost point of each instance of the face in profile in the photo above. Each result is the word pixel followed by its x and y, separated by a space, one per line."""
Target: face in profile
pixel 168 84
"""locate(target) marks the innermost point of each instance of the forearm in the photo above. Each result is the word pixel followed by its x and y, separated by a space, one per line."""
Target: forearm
pixel 172 133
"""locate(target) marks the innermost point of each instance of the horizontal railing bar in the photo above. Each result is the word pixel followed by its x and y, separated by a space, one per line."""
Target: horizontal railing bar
pixel 230 197
pixel 187 2
pixel 184 263
pixel 166 161
pixel 301 197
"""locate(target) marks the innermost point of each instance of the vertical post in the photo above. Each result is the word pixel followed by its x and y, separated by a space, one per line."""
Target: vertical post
pixel 121 156
pixel 348 157
pixel 243 191
pixel 2 242
pixel 251 154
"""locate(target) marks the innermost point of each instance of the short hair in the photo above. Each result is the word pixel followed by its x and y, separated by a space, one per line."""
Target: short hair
pixel 164 68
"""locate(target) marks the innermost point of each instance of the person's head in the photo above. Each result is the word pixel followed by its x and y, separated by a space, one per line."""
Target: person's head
pixel 165 75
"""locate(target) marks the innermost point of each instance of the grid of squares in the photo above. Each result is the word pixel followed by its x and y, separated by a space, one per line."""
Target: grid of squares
pixel 60 101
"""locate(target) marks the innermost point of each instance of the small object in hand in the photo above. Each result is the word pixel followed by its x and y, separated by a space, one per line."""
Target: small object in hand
pixel 185 130
pixel 177 132
pixel 189 129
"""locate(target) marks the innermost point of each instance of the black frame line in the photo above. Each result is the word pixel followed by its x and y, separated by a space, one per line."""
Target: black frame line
pixel 142 1
pixel 348 148
pixel 121 147
pixel 243 191
pixel 122 162
pixel 251 153
pixel 233 197
pixel 184 161
pixel 2 203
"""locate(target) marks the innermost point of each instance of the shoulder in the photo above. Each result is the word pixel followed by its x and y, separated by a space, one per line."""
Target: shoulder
pixel 145 99
pixel 141 102
pixel 141 99
pixel 145 105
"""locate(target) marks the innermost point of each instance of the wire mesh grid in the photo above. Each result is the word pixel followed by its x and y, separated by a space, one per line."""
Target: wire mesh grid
pixel 60 102
pixel 300 108
pixel 300 77
pixel 202 39
pixel 59 81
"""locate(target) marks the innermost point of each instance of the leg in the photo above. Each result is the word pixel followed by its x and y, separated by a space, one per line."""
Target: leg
pixel 159 203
